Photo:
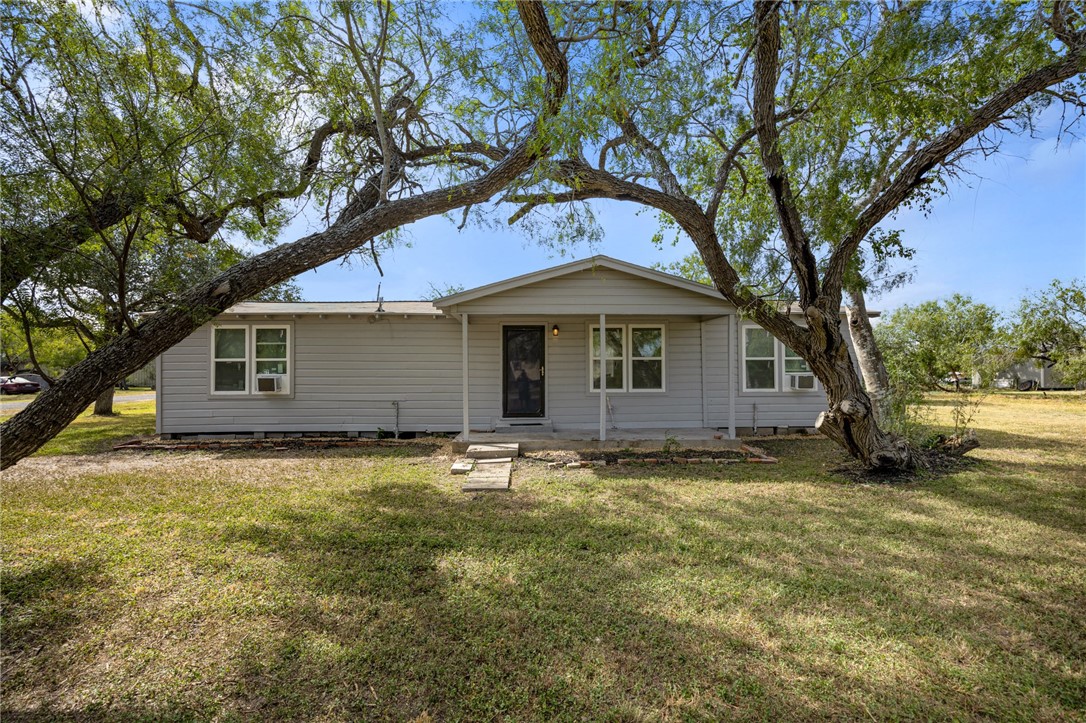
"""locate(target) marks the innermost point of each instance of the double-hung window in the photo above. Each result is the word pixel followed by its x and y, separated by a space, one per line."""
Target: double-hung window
pixel 616 349
pixel 764 356
pixel 759 360
pixel 794 363
pixel 250 359
pixel 229 365
pixel 646 358
pixel 634 358
pixel 271 349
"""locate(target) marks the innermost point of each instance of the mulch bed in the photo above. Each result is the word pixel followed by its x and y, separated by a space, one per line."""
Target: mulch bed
pixel 930 464
pixel 556 458
pixel 283 443
pixel 598 458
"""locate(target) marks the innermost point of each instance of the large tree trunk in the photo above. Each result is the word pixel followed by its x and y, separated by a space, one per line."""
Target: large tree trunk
pixel 103 404
pixel 850 420
pixel 869 357
pixel 54 409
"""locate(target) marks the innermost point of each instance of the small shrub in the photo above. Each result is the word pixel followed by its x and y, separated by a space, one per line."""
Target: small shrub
pixel 905 415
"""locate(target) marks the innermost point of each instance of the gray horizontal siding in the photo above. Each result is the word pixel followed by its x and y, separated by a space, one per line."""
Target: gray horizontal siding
pixel 596 291
pixel 714 335
pixel 784 408
pixel 347 373
pixel 569 404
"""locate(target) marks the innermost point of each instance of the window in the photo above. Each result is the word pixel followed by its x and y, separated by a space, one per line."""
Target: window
pixel 759 360
pixel 646 358
pixel 635 358
pixel 794 363
pixel 271 349
pixel 229 368
pixel 764 356
pixel 616 337
pixel 243 357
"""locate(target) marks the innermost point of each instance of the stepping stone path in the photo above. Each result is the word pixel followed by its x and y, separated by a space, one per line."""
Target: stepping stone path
pixel 493 467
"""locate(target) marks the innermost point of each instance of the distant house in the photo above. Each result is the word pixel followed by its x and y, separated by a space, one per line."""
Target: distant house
pixel 1026 374
pixel 524 352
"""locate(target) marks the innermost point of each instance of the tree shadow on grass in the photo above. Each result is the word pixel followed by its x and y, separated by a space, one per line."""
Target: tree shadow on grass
pixel 999 439
pixel 42 608
pixel 36 600
pixel 404 598
pixel 505 607
pixel 476 609
pixel 1016 492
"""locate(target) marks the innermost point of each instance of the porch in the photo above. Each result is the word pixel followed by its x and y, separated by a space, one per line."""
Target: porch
pixel 653 438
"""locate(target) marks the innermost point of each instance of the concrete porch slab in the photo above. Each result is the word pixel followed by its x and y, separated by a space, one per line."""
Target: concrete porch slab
pixel 696 438
pixel 492 450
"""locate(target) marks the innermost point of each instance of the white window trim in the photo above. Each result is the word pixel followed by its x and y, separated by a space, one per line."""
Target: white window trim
pixel 592 358
pixel 784 367
pixel 211 351
pixel 285 391
pixel 779 373
pixel 250 360
pixel 627 358
pixel 743 328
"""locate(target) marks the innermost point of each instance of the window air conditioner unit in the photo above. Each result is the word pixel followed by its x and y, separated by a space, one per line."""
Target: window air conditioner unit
pixel 801 381
pixel 269 382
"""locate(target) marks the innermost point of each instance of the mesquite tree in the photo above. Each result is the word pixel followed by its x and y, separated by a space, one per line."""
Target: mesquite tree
pixel 133 110
pixel 1049 328
pixel 780 137
pixel 937 344
pixel 384 99
pixel 92 294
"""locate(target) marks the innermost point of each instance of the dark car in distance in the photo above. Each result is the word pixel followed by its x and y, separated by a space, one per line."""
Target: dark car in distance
pixel 18 385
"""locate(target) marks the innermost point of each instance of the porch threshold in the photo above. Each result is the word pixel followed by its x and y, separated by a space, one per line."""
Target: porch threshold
pixel 694 438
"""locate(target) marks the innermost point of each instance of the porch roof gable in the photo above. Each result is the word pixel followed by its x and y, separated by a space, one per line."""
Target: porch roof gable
pixel 592 263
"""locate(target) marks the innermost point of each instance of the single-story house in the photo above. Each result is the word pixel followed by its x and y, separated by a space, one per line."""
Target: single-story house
pixel 1030 374
pixel 524 352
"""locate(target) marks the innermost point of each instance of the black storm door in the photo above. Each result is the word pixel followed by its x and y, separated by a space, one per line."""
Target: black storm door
pixel 522 376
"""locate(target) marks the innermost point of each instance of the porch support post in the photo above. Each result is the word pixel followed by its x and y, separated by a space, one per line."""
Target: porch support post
pixel 464 374
pixel 733 371
pixel 603 377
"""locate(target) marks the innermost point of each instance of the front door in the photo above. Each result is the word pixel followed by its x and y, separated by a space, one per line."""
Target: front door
pixel 522 378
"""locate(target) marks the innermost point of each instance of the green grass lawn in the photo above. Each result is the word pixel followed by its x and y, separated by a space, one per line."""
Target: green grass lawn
pixel 363 586
pixel 89 434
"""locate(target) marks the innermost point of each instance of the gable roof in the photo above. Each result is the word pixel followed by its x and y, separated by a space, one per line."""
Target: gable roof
pixel 593 262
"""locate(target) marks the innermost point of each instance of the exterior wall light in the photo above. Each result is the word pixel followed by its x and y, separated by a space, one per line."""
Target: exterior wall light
pixel 554 330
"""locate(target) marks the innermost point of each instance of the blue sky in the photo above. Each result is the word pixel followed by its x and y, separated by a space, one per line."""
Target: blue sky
pixel 1019 225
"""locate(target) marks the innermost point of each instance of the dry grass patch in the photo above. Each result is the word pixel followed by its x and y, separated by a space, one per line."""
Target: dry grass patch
pixel 347 585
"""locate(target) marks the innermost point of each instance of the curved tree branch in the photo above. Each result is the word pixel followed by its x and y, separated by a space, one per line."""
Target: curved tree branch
pixel 914 173
pixel 766 51
pixel 57 407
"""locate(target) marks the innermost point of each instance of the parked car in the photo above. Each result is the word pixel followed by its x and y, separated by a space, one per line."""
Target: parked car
pixel 18 385
pixel 37 379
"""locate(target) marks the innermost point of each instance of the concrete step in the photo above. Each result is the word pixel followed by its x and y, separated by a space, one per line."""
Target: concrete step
pixel 489 476
pixel 463 466
pixel 526 426
pixel 493 451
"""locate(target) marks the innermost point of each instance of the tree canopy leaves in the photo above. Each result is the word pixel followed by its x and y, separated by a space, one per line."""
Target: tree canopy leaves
pixel 936 344
pixel 1050 329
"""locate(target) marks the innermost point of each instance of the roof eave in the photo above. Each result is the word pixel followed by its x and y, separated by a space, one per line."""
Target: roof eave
pixel 573 267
